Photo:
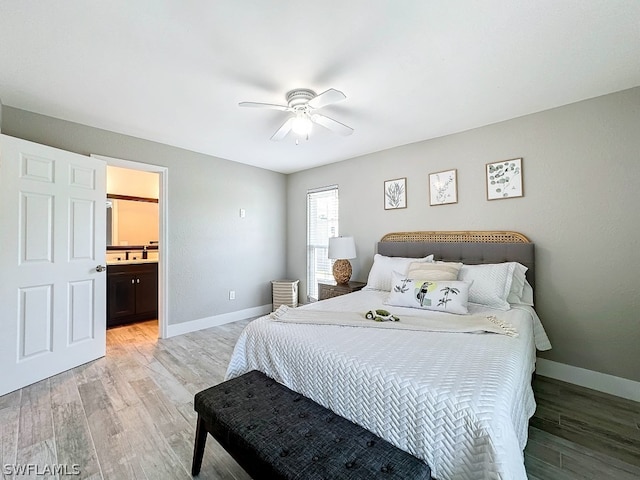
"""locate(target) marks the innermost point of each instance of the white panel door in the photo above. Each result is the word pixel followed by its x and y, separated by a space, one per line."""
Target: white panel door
pixel 52 248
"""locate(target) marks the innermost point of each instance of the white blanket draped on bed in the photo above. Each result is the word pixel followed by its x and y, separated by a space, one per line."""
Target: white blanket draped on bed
pixel 459 401
pixel 435 322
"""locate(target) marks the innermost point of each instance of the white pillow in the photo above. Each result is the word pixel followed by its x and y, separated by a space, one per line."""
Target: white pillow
pixel 527 295
pixel 440 295
pixel 383 267
pixel 434 270
pixel 491 283
pixel 517 286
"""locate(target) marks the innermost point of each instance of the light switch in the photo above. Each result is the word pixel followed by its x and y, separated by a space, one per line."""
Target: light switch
pixel 243 213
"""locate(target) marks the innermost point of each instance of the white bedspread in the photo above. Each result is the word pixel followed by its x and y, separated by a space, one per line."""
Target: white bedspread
pixel 435 322
pixel 459 401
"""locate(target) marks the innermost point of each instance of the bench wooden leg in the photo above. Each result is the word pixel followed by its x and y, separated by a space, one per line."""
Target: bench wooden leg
pixel 198 447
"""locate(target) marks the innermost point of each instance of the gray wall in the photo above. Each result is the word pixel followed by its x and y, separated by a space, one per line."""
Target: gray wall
pixel 582 194
pixel 212 250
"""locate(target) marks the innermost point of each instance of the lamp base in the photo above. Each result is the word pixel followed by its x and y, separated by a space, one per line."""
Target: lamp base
pixel 342 271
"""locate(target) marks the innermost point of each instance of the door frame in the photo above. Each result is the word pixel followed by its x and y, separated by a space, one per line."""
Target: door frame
pixel 163 226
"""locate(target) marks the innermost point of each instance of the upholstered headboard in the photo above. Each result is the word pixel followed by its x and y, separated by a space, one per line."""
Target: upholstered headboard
pixel 471 248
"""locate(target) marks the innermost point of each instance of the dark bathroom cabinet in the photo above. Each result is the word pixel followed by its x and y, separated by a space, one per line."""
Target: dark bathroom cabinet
pixel 132 293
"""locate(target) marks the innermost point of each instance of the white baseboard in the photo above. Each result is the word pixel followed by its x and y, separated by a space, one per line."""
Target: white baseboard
pixel 620 387
pixel 214 321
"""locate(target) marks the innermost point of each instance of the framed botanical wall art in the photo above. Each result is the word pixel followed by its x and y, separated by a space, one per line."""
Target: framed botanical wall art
pixel 443 187
pixel 504 179
pixel 395 193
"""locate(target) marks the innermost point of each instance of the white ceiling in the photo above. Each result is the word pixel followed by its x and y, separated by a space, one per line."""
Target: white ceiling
pixel 174 71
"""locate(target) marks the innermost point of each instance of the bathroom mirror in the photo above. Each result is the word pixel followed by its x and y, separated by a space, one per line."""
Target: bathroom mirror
pixel 131 221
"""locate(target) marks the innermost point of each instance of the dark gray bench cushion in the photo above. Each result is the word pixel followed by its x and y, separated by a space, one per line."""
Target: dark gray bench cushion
pixel 276 433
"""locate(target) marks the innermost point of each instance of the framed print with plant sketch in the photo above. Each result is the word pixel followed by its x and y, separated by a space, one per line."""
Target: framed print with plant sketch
pixel 504 179
pixel 443 187
pixel 395 193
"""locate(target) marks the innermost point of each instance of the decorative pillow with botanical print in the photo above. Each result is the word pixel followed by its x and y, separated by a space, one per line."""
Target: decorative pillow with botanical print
pixel 440 295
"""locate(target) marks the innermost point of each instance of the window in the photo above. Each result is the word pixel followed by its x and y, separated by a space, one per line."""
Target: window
pixel 322 223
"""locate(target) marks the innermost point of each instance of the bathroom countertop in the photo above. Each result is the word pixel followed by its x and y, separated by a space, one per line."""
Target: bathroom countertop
pixel 132 261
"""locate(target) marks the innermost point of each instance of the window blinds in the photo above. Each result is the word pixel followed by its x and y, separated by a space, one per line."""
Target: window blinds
pixel 322 223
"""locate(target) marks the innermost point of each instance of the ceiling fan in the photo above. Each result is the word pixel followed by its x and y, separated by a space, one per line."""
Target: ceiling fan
pixel 303 103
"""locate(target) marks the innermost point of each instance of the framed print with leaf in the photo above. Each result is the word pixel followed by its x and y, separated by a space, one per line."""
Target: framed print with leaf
pixel 443 187
pixel 395 193
pixel 504 179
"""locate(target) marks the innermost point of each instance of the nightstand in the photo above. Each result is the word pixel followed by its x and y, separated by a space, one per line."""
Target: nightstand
pixel 329 290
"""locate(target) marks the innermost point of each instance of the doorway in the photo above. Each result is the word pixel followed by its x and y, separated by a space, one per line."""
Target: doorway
pixel 162 251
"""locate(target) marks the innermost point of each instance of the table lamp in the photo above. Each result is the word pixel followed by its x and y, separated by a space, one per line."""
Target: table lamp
pixel 342 249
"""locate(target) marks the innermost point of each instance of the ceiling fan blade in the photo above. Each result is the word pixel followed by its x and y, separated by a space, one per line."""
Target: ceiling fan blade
pixel 331 124
pixel 325 98
pixel 283 130
pixel 264 105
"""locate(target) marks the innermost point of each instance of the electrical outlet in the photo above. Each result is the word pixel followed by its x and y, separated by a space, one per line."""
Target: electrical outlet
pixel 232 294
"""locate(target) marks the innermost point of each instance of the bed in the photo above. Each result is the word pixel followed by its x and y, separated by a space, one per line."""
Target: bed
pixel 459 400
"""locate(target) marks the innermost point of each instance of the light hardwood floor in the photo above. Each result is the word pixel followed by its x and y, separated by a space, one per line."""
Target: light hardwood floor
pixel 130 416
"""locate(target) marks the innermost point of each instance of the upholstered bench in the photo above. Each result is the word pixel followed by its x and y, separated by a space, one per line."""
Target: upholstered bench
pixel 276 433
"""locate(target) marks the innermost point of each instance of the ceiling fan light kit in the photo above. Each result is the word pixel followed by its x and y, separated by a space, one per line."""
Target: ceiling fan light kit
pixel 301 125
pixel 302 103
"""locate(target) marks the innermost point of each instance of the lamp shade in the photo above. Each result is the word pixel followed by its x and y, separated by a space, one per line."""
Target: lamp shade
pixel 342 248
